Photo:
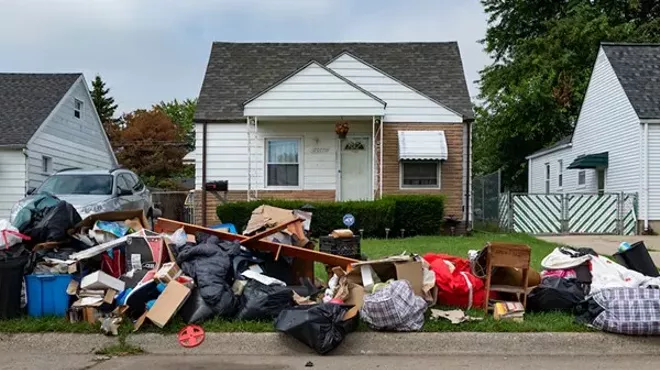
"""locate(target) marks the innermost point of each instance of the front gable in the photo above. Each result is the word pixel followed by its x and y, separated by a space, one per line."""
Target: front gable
pixel 317 91
pixel 69 140
pixel 404 104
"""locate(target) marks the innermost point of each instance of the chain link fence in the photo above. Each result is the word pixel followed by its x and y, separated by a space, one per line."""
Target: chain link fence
pixel 486 201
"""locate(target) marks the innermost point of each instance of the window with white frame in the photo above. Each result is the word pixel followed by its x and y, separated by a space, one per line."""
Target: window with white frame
pixel 77 108
pixel 560 174
pixel 282 162
pixel 420 174
pixel 582 178
pixel 46 165
pixel 547 178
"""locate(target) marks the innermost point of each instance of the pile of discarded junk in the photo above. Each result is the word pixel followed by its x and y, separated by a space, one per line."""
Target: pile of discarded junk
pixel 111 268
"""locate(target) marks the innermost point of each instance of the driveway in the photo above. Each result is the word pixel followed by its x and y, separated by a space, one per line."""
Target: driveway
pixel 607 244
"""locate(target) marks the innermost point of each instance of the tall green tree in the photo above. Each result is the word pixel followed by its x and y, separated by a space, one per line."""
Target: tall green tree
pixel 544 51
pixel 182 114
pixel 105 104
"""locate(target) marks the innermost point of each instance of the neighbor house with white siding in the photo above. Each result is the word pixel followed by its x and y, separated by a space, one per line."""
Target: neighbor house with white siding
pixel 267 115
pixel 47 123
pixel 615 146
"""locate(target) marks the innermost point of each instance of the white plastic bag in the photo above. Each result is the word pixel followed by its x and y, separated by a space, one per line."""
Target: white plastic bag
pixel 9 235
pixel 179 238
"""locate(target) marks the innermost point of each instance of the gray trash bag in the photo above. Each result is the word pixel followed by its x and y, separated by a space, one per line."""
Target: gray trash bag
pixel 394 308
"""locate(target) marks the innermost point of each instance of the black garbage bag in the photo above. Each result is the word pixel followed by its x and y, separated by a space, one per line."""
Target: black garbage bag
pixel 555 294
pixel 264 302
pixel 195 310
pixel 52 224
pixel 320 327
pixel 209 264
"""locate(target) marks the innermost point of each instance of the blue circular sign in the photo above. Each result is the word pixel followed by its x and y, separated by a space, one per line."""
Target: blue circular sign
pixel 349 220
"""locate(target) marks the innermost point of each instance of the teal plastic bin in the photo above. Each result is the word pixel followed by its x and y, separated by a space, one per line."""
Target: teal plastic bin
pixel 46 294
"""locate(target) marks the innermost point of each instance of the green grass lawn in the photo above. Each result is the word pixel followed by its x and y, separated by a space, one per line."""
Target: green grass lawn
pixel 373 248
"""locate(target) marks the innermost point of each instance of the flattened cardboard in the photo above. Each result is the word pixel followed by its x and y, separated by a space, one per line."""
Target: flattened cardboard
pixel 168 303
pixel 109 296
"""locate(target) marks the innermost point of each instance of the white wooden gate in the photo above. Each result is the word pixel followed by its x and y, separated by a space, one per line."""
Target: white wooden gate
pixel 572 213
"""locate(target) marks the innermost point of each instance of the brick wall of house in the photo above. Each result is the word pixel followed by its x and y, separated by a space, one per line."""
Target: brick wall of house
pixel 233 196
pixel 451 170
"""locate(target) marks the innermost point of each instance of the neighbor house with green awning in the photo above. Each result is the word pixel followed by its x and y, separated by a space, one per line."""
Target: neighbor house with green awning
pixel 615 145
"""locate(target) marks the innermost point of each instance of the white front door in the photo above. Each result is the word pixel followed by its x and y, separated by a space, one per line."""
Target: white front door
pixel 355 173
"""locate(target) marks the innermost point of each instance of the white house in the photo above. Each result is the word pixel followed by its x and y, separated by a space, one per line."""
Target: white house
pixel 47 123
pixel 615 146
pixel 267 113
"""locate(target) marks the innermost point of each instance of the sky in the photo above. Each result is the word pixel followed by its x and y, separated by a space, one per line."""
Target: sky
pixel 149 51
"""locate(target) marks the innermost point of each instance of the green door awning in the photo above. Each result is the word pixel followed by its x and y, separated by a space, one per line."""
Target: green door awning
pixel 599 160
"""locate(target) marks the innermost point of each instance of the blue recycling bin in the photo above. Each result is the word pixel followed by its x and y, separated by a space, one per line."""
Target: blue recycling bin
pixel 46 294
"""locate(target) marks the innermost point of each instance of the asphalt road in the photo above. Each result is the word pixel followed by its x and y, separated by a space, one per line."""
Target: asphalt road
pixel 148 362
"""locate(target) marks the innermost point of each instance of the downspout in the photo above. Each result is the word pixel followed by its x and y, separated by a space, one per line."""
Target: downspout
pixel 27 171
pixel 468 178
pixel 204 174
pixel 646 174
pixel 373 157
pixel 380 161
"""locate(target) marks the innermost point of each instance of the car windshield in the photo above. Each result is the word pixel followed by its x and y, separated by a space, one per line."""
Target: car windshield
pixel 78 184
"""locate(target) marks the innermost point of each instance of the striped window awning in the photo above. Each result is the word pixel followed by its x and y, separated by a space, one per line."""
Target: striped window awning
pixel 600 160
pixel 422 145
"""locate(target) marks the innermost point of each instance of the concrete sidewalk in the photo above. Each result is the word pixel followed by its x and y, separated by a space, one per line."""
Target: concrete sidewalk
pixel 390 344
pixel 607 244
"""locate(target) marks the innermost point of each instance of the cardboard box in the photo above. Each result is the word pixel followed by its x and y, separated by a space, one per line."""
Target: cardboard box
pixel 355 296
pixel 398 268
pixel 168 272
pixel 89 221
pixel 168 303
pixel 101 280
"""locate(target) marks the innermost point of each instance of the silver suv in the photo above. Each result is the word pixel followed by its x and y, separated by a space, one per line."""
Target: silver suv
pixel 96 191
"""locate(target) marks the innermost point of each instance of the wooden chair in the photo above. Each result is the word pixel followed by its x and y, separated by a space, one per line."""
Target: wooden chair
pixel 507 255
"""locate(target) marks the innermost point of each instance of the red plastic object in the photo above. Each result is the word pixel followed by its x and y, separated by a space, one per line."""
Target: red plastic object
pixel 191 336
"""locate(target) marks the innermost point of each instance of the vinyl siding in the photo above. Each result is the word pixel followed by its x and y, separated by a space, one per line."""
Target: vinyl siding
pixel 70 141
pixel 12 179
pixel 227 153
pixel 607 123
pixel 404 105
pixel 314 91
pixel 654 173
pixel 537 173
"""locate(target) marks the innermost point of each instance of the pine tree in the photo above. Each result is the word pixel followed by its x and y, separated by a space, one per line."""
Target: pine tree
pixel 105 105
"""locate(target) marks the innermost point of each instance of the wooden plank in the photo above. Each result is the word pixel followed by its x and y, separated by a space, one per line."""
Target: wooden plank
pixel 251 239
pixel 170 226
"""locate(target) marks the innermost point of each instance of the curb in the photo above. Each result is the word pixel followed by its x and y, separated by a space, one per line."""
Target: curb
pixel 408 344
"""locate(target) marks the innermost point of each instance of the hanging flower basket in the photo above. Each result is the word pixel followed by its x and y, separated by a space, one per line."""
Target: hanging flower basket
pixel 341 128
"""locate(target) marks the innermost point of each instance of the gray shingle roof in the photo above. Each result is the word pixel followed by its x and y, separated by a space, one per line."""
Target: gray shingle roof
pixel 563 141
pixel 238 71
pixel 638 68
pixel 25 102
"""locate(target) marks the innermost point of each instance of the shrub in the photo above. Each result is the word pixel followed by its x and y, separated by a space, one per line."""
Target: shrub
pixel 419 215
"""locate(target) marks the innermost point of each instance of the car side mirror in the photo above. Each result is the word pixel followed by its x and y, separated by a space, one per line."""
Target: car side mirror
pixel 31 190
pixel 123 192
